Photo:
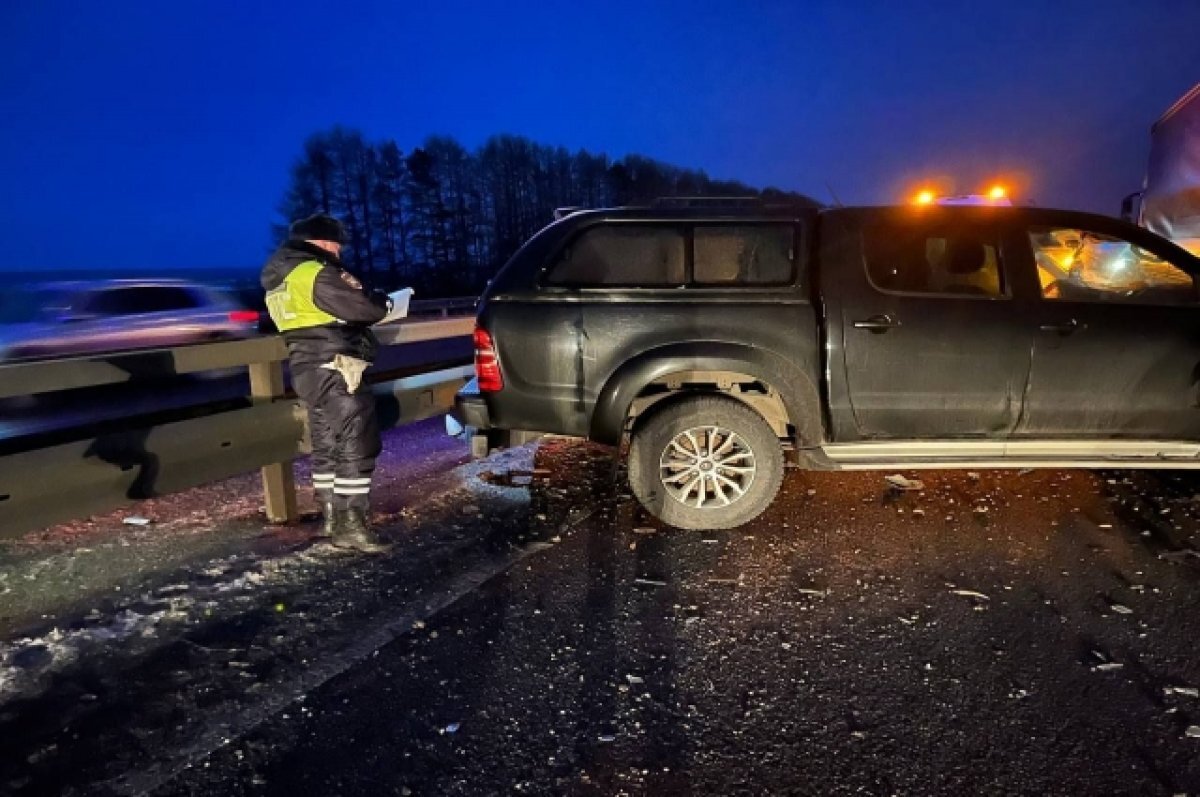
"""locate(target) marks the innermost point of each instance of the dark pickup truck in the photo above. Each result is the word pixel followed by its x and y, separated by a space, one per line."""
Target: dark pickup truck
pixel 721 344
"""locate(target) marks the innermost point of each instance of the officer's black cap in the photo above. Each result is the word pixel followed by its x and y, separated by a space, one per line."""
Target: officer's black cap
pixel 318 227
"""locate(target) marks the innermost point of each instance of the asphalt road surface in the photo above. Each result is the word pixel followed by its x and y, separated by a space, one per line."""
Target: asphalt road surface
pixel 532 632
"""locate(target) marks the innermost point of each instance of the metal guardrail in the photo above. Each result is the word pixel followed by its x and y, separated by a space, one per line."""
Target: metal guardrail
pixel 46 486
pixel 443 307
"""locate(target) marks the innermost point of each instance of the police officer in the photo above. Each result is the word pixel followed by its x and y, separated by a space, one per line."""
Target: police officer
pixel 325 316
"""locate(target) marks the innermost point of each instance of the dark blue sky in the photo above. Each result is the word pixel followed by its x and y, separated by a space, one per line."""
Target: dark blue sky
pixel 159 134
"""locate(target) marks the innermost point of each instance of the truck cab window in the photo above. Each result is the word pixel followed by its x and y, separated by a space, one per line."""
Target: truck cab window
pixel 631 255
pixel 908 258
pixel 1078 265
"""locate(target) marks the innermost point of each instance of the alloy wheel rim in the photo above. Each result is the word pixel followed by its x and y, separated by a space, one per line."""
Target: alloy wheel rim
pixel 707 467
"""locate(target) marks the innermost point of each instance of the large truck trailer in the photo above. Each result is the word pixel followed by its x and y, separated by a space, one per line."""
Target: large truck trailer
pixel 1170 201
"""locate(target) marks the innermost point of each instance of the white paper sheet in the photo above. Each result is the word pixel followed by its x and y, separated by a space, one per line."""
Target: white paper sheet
pixel 400 301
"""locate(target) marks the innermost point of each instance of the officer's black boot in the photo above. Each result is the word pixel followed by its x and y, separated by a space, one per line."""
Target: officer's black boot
pixel 328 519
pixel 353 532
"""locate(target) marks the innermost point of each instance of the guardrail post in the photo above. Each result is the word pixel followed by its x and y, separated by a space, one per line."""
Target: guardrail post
pixel 279 481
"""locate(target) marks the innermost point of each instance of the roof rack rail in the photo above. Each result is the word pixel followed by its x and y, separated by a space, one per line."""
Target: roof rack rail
pixel 707 202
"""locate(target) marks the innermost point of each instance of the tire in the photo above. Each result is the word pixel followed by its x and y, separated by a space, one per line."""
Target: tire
pixel 651 455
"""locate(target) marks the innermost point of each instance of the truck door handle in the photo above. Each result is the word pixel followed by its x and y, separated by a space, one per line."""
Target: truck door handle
pixel 1065 328
pixel 877 324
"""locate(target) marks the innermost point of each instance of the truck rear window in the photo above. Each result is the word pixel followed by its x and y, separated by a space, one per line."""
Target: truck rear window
pixel 935 259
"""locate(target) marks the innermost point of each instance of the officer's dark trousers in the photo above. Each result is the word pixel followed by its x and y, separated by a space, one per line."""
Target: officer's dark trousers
pixel 345 436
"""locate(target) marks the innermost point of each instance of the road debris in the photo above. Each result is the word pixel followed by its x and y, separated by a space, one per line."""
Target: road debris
pixel 137 520
pixel 1105 662
pixel 1193 732
pixel 585 621
pixel 1120 608
pixel 904 484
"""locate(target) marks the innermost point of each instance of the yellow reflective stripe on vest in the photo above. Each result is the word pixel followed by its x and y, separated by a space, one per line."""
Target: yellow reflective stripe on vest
pixel 292 305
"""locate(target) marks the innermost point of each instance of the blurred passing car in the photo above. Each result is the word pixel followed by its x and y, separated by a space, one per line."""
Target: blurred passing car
pixel 59 319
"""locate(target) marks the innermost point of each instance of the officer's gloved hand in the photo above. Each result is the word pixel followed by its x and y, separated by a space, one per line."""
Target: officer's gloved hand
pixel 381 298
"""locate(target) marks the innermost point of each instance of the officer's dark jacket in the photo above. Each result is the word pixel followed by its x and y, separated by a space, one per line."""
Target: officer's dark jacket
pixel 335 292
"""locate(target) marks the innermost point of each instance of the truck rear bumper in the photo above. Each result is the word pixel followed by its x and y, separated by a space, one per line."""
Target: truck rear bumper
pixel 470 409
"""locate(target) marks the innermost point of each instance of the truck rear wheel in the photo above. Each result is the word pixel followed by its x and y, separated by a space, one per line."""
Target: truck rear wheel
pixel 705 462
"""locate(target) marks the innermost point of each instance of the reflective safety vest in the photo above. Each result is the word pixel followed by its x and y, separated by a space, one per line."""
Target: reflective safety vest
pixel 292 305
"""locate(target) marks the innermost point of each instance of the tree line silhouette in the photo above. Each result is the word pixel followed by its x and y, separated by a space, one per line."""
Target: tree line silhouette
pixel 443 219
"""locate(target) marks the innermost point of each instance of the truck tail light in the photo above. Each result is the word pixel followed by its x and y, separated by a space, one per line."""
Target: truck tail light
pixel 487 366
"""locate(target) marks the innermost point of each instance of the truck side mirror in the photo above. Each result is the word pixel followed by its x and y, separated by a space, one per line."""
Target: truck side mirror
pixel 1130 206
